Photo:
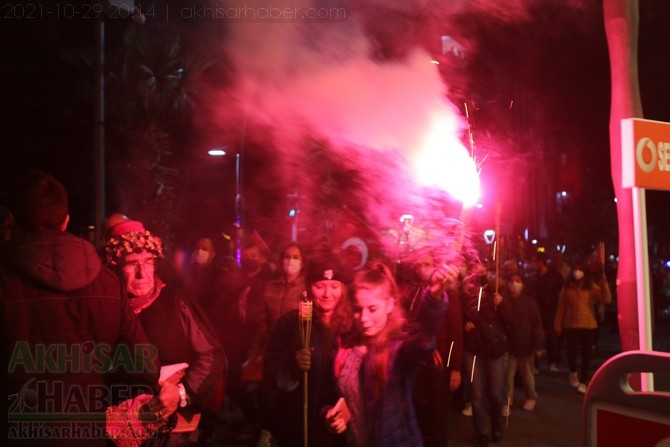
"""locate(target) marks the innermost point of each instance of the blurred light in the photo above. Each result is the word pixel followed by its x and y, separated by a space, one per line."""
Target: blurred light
pixel 525 233
pixel 667 264
pixel 451 46
pixel 561 248
pixel 480 205
pixel 292 213
pixel 217 152
pixel 407 220
pixel 564 194
pixel 489 236
pixel 434 62
pixel 616 200
pixel 534 242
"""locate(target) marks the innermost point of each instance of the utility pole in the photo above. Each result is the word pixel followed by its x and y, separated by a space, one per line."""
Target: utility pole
pixel 99 126
pixel 127 9
pixel 622 28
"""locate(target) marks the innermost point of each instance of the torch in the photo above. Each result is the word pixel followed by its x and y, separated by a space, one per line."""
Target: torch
pixel 496 245
pixel 474 358
pixel 305 327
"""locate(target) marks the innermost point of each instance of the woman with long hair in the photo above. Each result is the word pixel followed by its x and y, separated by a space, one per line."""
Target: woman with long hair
pixel 375 366
pixel 289 364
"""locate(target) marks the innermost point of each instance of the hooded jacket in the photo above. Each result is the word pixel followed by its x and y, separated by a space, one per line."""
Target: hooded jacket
pixel 71 344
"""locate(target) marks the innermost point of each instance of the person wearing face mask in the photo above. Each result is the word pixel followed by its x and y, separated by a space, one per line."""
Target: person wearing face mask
pixel 204 275
pixel 203 280
pixel 236 315
pixel 280 295
pixel 287 361
pixel 526 338
pixel 546 290
pixel 203 252
pixel 283 292
pixel 576 319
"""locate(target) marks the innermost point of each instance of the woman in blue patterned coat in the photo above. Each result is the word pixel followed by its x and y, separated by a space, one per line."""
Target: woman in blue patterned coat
pixel 375 369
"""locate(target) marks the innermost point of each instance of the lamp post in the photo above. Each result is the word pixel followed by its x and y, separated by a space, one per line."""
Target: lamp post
pixel 293 213
pixel 238 193
pixel 238 210
pixel 99 125
pixel 128 9
pixel 220 152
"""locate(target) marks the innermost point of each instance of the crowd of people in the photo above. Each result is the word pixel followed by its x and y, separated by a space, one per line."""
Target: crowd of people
pixel 278 350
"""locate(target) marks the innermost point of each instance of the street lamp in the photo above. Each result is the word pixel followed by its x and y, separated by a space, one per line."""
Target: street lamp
pixel 220 152
pixel 294 213
pixel 217 152
pixel 99 123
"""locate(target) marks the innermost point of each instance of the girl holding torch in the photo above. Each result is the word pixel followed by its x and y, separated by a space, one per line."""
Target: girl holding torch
pixel 296 357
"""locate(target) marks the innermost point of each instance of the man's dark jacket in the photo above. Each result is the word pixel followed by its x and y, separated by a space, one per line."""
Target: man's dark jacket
pixel 71 345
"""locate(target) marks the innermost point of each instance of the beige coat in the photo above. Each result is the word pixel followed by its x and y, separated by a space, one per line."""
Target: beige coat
pixel 576 306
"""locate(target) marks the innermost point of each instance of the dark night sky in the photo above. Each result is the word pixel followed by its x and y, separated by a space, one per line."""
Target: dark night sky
pixel 47 95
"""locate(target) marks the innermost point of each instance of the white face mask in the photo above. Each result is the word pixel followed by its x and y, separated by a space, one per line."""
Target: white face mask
pixel 292 266
pixel 578 274
pixel 201 256
pixel 515 287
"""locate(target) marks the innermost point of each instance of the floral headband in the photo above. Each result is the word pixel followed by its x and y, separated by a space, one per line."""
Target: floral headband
pixel 132 242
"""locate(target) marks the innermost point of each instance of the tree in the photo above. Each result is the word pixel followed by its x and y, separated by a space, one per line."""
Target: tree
pixel 153 82
pixel 621 26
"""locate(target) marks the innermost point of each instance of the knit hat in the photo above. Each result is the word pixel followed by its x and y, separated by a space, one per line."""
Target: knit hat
pixel 123 227
pixel 326 269
pixel 129 237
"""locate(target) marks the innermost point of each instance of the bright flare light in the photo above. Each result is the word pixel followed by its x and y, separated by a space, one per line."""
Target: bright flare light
pixel 444 162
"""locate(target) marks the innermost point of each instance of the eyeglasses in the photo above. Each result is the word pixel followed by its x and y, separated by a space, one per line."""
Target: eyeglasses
pixel 137 264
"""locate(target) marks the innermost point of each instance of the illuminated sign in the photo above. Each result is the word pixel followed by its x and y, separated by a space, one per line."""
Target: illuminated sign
pixel 646 153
